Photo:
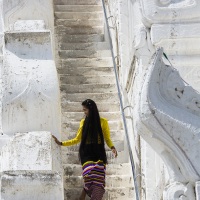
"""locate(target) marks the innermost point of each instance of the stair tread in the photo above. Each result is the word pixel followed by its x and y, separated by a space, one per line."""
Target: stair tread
pixel 77 2
pixel 78 8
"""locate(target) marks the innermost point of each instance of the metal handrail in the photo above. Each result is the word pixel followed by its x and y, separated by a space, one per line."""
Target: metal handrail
pixel 121 104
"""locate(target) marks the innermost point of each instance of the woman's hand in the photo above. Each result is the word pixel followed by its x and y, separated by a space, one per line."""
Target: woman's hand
pixel 114 151
pixel 56 140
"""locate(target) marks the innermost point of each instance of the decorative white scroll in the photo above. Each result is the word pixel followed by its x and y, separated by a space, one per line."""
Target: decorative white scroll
pixel 169 115
pixel 169 11
pixel 31 98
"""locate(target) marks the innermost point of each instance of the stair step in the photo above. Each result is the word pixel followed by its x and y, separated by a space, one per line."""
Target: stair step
pixel 72 157
pixel 111 181
pixel 87 62
pixel 79 30
pixel 103 97
pixel 69 79
pixel 84 54
pixel 93 46
pixel 119 145
pixel 86 71
pixel 80 22
pixel 120 193
pixel 79 15
pixel 114 125
pixel 115 135
pixel 77 2
pixel 80 38
pixel 111 169
pixel 78 8
pixel 87 88
pixel 77 116
pixel 103 106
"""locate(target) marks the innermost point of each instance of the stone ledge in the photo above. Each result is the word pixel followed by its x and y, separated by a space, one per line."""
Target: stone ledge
pixel 18 185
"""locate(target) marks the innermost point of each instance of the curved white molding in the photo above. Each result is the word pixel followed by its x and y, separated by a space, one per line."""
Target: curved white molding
pixel 31 97
pixel 20 10
pixel 179 191
pixel 169 120
pixel 166 11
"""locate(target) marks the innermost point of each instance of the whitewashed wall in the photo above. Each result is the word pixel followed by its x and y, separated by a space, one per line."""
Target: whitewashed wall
pixel 141 27
pixel 30 160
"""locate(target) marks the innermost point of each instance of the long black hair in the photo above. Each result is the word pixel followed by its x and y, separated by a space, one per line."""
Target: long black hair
pixel 92 133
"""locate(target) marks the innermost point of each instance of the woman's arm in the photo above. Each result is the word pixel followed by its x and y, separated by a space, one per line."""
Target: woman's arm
pixel 73 141
pixel 106 134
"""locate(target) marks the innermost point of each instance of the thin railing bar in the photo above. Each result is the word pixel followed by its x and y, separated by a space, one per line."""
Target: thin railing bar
pixel 121 104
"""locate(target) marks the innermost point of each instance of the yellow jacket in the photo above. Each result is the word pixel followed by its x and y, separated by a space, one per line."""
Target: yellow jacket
pixel 77 139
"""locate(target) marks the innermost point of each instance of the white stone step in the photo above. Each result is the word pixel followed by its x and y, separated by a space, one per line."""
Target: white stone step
pixel 78 8
pixel 115 135
pixel 79 30
pixel 120 193
pixel 111 181
pixel 86 62
pixel 80 22
pixel 84 53
pixel 69 79
pixel 77 2
pixel 77 116
pixel 72 157
pixel 87 88
pixel 80 38
pixel 86 71
pixel 102 106
pixel 94 46
pixel 102 97
pixel 119 145
pixel 114 125
pixel 111 169
pixel 79 15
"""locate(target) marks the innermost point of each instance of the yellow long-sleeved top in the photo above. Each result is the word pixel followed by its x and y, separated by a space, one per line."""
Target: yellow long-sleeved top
pixel 105 130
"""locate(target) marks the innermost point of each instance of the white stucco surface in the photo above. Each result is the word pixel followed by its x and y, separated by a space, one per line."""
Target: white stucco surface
pixel 142 26
pixel 162 11
pixel 14 10
pixel 30 84
pixel 31 151
pixel 44 185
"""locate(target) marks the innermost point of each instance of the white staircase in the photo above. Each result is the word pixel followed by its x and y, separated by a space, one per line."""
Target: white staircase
pixel 85 68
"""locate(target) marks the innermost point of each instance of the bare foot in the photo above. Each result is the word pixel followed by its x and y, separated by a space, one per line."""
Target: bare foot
pixel 83 195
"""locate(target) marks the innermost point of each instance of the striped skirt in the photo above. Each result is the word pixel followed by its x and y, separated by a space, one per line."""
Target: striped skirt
pixel 94 179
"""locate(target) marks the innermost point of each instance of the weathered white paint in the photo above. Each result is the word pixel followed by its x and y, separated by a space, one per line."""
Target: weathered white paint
pixel 29 25
pixel 179 190
pixel 30 84
pixel 31 151
pixel 173 25
pixel 30 102
pixel 31 167
pixel 14 10
pixel 169 113
pixel 156 11
pixel 177 39
pixel 35 185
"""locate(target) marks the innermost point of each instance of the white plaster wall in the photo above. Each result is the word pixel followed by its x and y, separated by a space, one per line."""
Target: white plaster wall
pixel 131 36
pixel 169 11
pixel 14 10
pixel 18 185
pixel 33 151
pixel 31 97
pixel 142 26
pixel 1 60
